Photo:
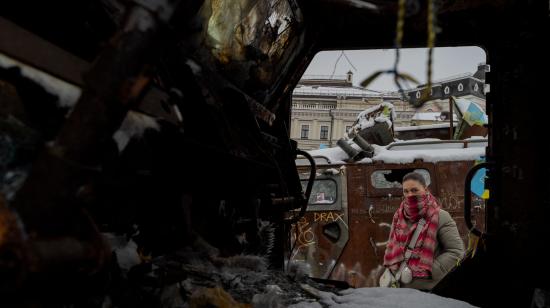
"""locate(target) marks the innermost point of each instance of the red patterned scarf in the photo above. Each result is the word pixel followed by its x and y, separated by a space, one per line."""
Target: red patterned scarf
pixel 412 209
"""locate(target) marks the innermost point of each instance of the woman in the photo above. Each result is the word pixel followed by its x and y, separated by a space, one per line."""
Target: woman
pixel 438 247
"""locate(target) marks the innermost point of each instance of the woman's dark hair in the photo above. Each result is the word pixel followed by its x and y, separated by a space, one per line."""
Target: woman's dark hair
pixel 415 176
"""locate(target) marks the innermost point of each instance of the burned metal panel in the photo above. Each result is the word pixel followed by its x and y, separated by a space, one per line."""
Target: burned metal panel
pixel 361 253
pixel 474 130
pixel 318 239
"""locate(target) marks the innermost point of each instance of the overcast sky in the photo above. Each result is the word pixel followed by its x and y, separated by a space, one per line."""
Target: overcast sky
pixel 448 61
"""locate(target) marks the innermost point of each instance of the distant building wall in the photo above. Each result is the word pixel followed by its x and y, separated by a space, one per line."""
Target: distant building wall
pixel 323 108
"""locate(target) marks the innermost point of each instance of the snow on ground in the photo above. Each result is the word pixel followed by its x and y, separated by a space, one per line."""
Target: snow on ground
pixel 381 298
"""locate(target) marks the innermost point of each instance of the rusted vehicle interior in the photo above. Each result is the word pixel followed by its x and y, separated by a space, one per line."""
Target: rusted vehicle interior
pixel 167 123
pixel 344 233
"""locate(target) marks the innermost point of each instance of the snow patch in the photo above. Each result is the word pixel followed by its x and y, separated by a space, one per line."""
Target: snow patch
pixel 133 126
pixel 125 250
pixel 443 151
pixel 382 113
pixel 429 155
pixel 67 93
pixel 336 155
pixel 403 146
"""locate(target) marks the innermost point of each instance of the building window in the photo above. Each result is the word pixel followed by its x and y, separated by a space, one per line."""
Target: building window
pixel 305 132
pixel 324 132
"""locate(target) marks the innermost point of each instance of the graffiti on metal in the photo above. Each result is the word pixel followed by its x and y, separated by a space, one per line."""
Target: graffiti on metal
pixel 451 201
pixel 327 217
pixel 303 236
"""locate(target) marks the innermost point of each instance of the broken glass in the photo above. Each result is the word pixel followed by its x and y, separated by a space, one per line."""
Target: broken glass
pixel 323 191
pixel 392 178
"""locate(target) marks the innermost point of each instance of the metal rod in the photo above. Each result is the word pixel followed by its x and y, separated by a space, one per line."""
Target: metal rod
pixel 312 173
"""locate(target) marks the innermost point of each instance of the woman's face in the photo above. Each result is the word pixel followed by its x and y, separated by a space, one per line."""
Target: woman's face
pixel 413 188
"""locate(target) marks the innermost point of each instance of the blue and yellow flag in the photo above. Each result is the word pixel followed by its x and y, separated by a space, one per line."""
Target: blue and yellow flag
pixel 474 115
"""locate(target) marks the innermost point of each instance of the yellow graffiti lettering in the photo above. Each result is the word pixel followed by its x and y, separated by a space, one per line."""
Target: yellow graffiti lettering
pixel 327 217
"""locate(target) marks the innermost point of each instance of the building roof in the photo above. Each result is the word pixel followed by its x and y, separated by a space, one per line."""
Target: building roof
pixel 351 91
pixel 481 69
